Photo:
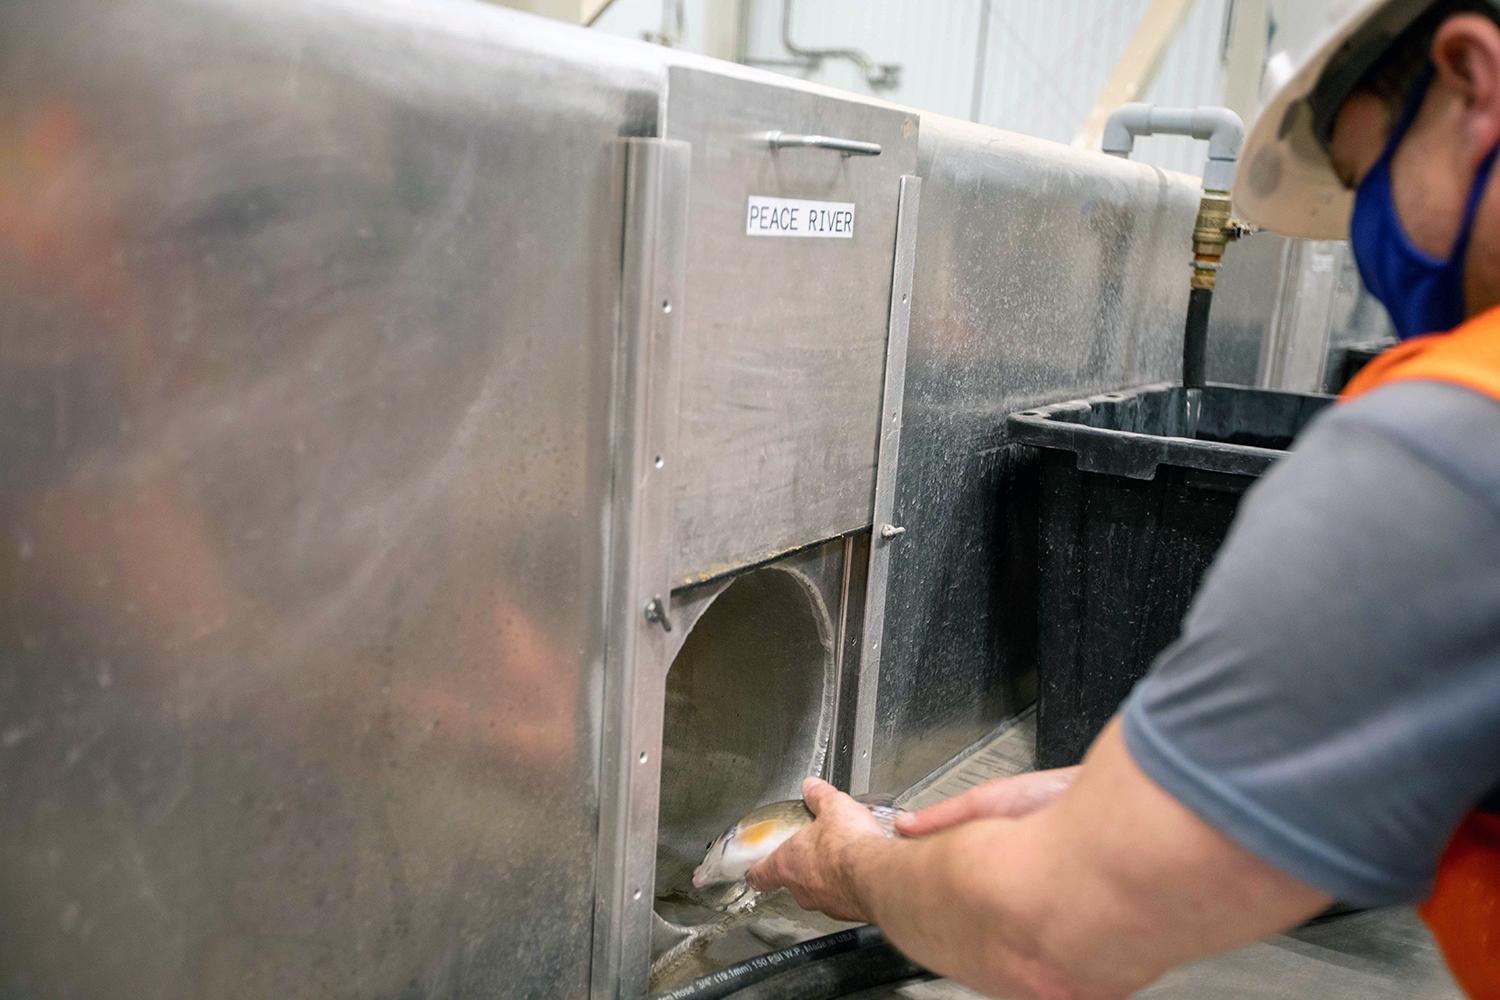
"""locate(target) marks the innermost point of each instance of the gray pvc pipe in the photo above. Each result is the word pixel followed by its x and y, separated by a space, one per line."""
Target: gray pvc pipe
pixel 1223 129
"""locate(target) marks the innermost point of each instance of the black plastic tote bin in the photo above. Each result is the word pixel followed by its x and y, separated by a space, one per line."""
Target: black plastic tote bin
pixel 1346 362
pixel 1131 512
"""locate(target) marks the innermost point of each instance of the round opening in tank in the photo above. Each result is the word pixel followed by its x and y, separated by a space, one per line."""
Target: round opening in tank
pixel 748 707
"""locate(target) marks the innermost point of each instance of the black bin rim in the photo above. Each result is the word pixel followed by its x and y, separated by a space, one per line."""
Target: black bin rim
pixel 1138 455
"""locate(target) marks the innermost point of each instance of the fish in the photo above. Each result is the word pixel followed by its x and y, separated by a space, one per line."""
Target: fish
pixel 759 832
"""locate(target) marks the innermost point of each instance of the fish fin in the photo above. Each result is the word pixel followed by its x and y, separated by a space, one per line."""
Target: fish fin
pixel 883 807
pixel 877 800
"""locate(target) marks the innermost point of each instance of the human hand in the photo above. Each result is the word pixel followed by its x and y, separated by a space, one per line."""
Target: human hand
pixel 1002 798
pixel 815 865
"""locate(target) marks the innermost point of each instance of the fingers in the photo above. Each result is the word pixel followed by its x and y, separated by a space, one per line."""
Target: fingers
pixel 817 793
pixel 765 875
pixel 1002 798
pixel 945 814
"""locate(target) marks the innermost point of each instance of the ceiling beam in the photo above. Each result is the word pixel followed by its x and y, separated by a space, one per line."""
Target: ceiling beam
pixel 1138 66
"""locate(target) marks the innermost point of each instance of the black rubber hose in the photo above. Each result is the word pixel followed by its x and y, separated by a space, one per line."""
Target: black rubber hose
pixel 839 976
pixel 1195 339
pixel 858 953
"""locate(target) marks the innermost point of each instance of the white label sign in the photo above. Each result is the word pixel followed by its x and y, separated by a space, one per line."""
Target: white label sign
pixel 829 220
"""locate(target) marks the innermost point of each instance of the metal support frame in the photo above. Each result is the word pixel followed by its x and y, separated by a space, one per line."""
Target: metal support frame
pixel 1137 68
pixel 1295 349
pixel 673 25
pixel 637 653
pixel 981 61
pixel 885 533
pixel 1245 57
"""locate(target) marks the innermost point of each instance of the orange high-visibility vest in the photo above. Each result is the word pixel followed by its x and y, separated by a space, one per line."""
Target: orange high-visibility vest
pixel 1464 909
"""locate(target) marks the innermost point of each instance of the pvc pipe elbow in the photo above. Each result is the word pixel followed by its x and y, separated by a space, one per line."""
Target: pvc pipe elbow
pixel 1226 135
pixel 1224 130
pixel 1124 124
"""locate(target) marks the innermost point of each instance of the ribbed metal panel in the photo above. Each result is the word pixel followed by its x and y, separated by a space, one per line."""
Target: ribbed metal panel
pixel 935 43
pixel 1193 73
pixel 1048 59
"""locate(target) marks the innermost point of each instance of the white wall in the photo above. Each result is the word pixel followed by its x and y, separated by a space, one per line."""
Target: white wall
pixel 1044 61
pixel 710 25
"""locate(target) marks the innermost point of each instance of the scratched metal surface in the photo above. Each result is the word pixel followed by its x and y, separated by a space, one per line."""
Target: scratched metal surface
pixel 1008 751
pixel 1244 308
pixel 306 338
pixel 1043 273
pixel 784 339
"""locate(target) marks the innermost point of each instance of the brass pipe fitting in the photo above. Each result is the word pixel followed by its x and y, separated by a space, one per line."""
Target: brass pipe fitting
pixel 1211 234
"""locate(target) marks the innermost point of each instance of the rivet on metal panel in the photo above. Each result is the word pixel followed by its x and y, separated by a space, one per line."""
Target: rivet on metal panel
pixel 636 895
pixel 660 461
pixel 644 757
pixel 666 306
pixel 656 612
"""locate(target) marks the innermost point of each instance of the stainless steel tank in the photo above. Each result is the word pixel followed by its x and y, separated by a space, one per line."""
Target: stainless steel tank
pixel 308 332
pixel 380 382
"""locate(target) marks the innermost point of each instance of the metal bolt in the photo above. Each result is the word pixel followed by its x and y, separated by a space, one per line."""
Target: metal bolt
pixel 656 613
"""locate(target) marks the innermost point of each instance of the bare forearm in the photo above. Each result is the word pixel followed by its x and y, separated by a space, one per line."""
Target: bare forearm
pixel 1094 896
pixel 959 904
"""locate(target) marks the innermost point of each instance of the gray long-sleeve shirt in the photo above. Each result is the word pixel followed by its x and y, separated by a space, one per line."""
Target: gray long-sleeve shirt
pixel 1333 703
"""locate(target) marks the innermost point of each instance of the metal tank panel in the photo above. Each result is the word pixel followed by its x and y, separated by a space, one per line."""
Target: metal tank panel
pixel 307 320
pixel 784 341
pixel 1043 273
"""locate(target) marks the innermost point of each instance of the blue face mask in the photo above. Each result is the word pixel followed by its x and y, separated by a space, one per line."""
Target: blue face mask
pixel 1422 294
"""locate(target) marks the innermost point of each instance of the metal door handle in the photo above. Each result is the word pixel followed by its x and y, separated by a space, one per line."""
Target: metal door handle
pixel 849 147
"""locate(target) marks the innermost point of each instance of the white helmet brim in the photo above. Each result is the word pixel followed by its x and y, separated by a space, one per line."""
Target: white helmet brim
pixel 1285 181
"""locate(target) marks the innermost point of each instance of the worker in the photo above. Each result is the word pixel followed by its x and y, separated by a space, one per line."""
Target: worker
pixel 1327 727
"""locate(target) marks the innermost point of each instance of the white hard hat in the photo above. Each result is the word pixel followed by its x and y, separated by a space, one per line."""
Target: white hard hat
pixel 1285 181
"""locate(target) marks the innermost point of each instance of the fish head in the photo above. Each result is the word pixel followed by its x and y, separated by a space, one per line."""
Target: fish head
pixel 735 851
